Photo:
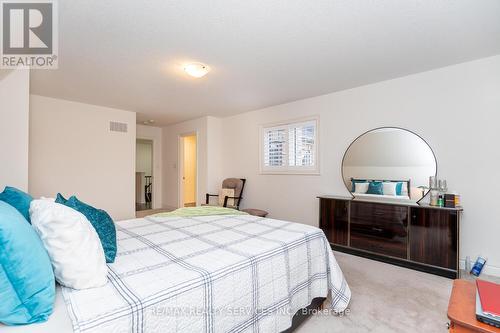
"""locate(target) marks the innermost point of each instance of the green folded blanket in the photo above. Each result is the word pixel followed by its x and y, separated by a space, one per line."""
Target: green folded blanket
pixel 200 211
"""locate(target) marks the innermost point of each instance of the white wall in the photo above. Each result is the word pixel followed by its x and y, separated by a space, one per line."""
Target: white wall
pixel 14 125
pixel 156 135
pixel 171 136
pixel 455 109
pixel 72 151
pixel 214 155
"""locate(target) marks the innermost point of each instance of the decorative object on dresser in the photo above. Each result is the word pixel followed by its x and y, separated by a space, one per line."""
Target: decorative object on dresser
pixel 386 219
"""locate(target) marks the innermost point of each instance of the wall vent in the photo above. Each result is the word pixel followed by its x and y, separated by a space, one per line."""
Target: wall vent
pixel 115 126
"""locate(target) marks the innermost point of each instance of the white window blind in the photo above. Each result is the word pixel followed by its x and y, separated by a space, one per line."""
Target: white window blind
pixel 290 147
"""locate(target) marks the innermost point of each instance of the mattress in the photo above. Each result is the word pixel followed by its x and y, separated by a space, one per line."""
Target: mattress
pixel 233 273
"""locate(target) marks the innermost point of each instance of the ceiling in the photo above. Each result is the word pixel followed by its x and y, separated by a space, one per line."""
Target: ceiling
pixel 129 54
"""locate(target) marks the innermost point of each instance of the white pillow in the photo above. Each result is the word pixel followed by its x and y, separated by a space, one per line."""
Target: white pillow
pixel 72 243
pixel 361 187
pixel 389 188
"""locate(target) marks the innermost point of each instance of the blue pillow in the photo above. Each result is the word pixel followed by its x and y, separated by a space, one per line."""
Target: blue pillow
pixel 17 199
pixel 27 284
pixel 100 220
pixel 399 188
pixel 375 188
pixel 60 199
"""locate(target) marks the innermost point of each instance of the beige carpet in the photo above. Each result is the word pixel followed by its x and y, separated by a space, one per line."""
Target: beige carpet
pixel 385 299
pixel 144 213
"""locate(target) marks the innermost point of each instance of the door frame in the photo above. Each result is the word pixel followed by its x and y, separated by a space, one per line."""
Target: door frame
pixel 180 164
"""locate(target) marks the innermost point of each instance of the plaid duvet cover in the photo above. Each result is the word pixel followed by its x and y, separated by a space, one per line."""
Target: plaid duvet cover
pixel 236 273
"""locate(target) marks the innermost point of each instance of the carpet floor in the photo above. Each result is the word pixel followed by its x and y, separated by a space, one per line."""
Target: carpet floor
pixel 386 299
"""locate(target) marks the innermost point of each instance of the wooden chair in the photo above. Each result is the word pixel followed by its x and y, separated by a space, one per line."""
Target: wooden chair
pixel 236 184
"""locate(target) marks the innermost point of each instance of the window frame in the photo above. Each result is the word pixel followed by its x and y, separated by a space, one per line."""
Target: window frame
pixel 287 169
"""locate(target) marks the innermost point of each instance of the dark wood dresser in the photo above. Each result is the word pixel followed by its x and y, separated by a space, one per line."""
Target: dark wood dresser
pixel 420 237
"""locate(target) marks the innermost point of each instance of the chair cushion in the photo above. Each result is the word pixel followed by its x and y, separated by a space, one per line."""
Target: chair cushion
pixel 226 192
pixel 100 220
pixel 255 212
pixel 72 243
pixel 17 199
pixel 233 183
pixel 27 284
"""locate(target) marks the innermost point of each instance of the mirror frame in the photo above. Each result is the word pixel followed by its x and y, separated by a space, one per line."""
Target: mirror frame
pixel 384 127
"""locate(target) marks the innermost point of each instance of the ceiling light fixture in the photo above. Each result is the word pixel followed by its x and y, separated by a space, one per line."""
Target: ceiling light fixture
pixel 196 69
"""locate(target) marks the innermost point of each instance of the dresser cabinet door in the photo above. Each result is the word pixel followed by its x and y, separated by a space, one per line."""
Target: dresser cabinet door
pixel 380 228
pixel 434 237
pixel 334 219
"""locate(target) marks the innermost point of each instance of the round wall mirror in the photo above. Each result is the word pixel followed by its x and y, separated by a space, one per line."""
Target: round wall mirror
pixel 388 163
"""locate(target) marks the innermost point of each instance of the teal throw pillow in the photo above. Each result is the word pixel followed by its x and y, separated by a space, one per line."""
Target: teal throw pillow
pixel 100 220
pixel 17 199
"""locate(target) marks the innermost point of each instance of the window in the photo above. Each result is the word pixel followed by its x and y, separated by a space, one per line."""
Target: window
pixel 290 148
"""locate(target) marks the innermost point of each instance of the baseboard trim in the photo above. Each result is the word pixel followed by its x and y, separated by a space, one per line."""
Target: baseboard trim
pixel 487 270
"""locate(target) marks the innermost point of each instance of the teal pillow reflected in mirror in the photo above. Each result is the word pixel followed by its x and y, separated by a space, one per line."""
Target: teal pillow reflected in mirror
pixel 399 188
pixel 375 188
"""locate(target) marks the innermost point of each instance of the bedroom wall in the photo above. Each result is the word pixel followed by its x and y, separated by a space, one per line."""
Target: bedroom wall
pixel 215 135
pixel 455 109
pixel 156 134
pixel 14 125
pixel 72 151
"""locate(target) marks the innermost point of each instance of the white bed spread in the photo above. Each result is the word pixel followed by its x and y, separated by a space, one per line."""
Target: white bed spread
pixel 209 274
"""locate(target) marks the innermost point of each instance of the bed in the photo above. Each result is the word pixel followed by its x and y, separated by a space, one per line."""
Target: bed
pixel 220 273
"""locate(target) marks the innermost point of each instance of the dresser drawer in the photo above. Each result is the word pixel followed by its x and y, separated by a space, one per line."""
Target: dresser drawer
pixel 379 228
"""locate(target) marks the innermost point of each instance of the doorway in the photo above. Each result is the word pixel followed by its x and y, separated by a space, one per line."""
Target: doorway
pixel 143 174
pixel 188 160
